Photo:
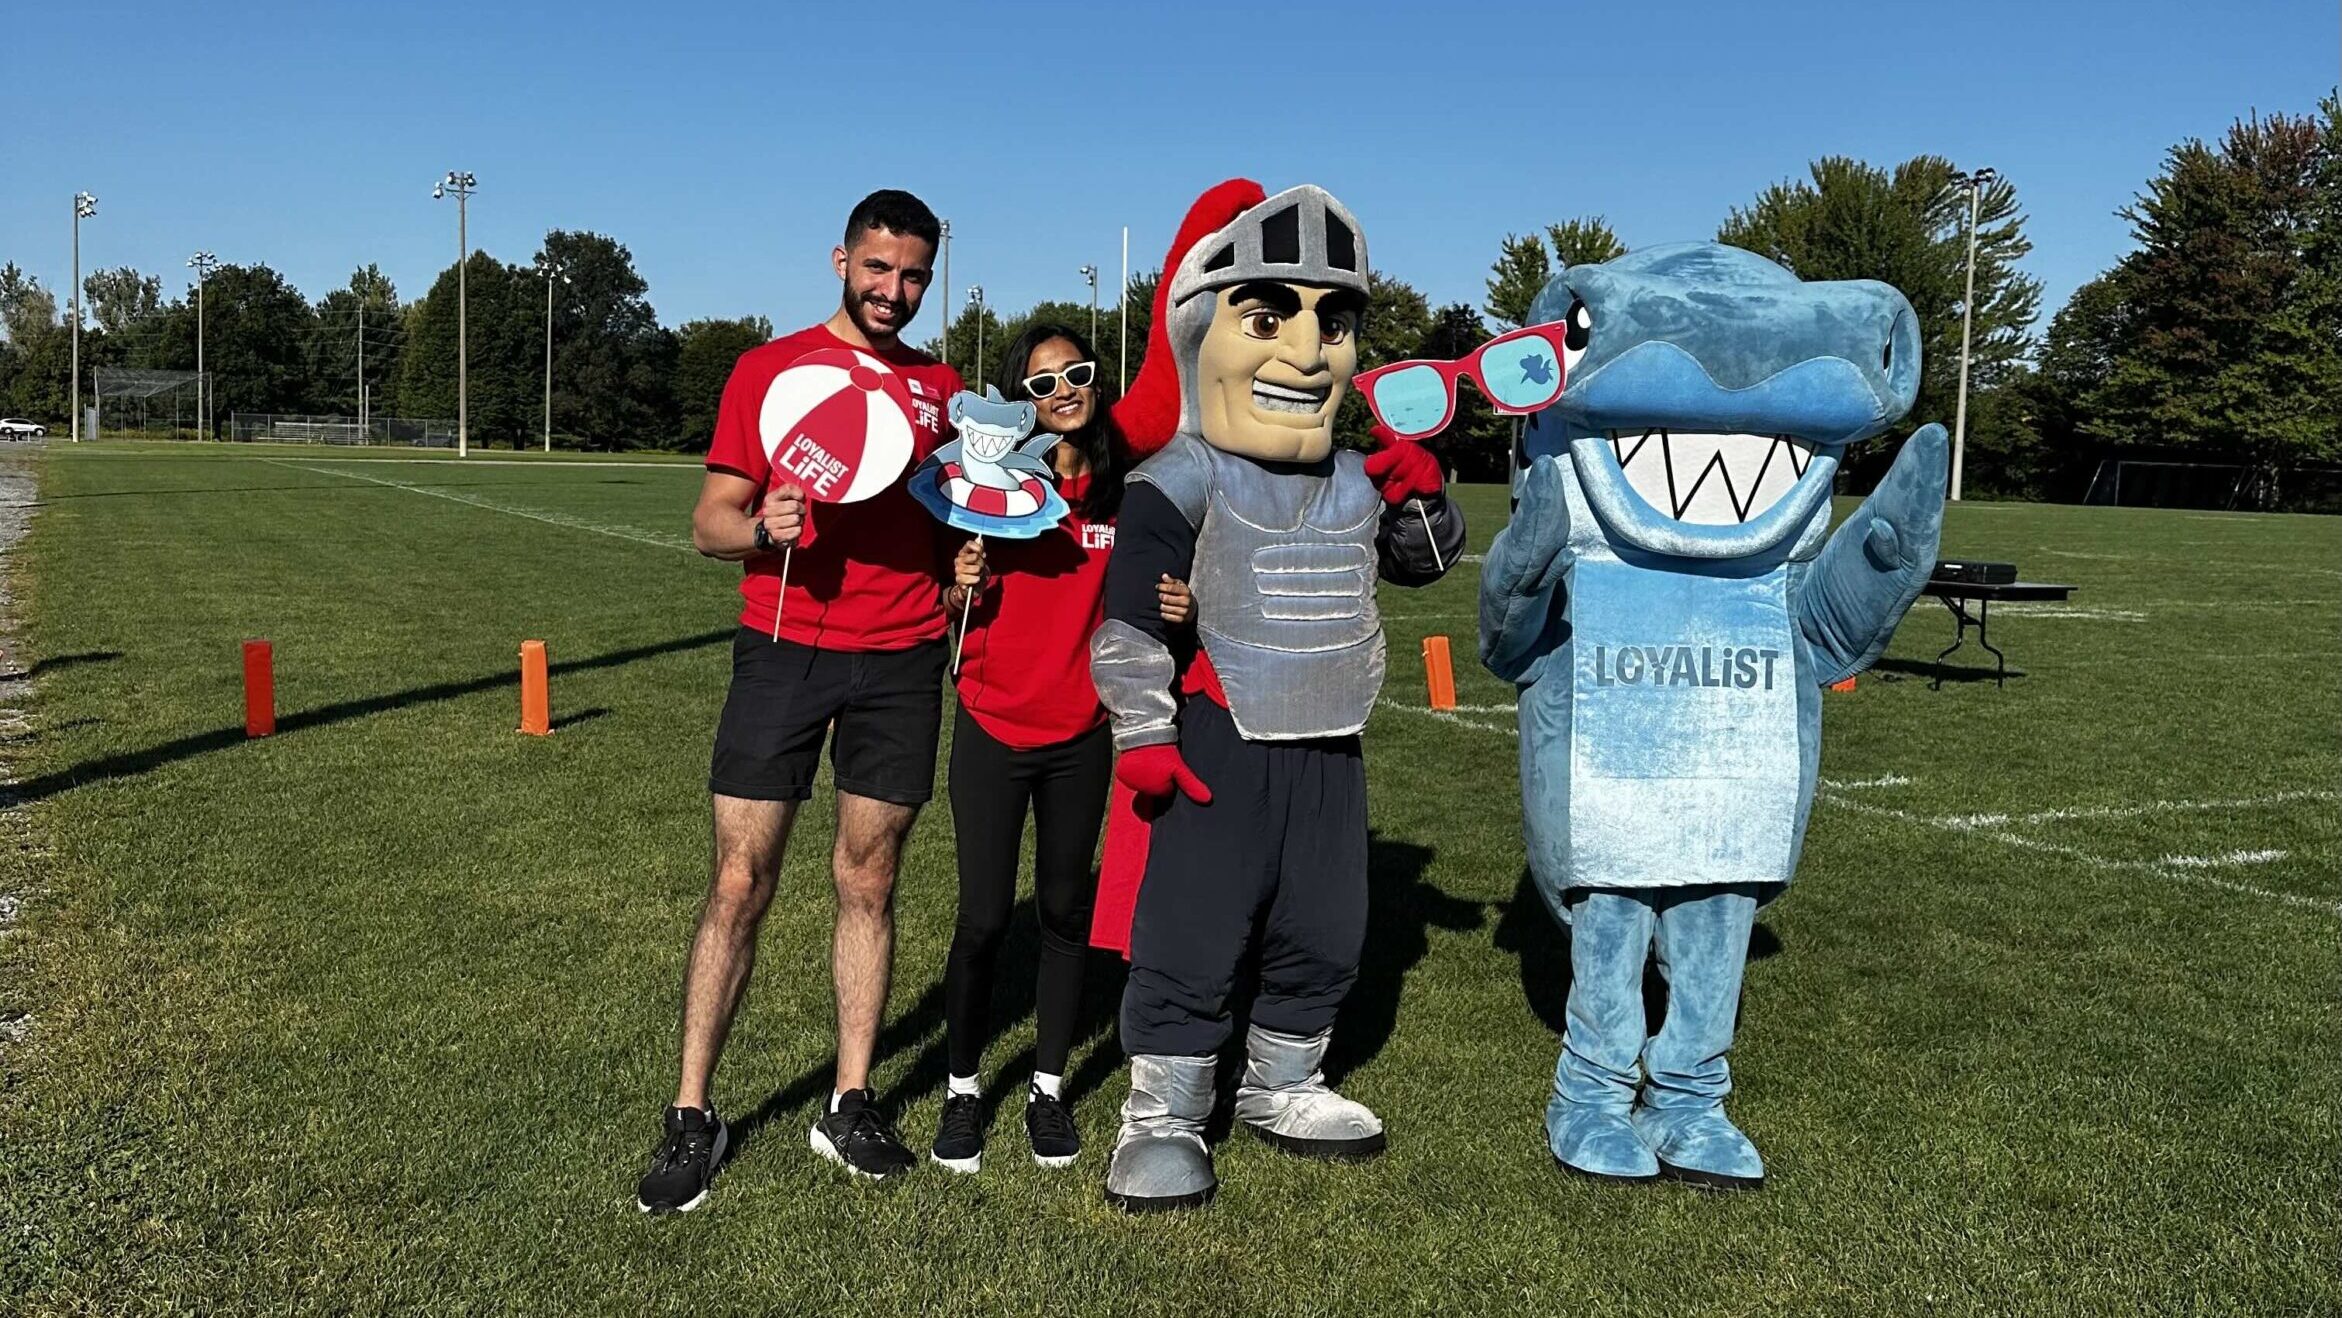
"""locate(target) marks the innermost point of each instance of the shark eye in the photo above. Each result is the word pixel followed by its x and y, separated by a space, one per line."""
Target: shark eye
pixel 1581 326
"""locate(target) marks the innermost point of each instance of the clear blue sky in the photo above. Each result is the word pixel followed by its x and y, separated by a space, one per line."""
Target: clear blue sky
pixel 724 143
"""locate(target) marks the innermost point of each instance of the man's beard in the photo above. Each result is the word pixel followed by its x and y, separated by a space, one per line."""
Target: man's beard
pixel 858 311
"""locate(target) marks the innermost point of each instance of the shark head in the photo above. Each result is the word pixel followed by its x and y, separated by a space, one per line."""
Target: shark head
pixel 1711 392
pixel 990 426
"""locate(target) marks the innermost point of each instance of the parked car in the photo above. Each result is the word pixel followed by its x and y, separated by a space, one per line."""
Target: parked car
pixel 13 428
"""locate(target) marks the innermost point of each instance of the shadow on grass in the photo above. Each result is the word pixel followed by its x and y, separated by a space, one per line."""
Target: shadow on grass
pixel 1896 670
pixel 54 662
pixel 1400 912
pixel 581 716
pixel 921 1028
pixel 1530 932
pixel 1402 909
pixel 132 763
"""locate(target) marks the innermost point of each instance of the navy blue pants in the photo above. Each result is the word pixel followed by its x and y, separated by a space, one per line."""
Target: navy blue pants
pixel 1277 858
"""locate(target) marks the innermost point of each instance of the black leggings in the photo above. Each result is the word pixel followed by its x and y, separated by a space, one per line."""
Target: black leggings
pixel 991 785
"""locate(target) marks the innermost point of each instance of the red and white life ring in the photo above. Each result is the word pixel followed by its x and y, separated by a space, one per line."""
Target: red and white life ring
pixel 1023 501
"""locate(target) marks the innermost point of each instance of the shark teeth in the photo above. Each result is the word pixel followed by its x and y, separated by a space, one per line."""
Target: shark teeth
pixel 1710 479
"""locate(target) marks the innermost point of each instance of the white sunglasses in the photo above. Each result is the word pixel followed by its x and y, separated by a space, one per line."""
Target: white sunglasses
pixel 1077 376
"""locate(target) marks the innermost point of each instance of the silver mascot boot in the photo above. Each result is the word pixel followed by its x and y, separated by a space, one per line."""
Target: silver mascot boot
pixel 1285 1100
pixel 1160 1159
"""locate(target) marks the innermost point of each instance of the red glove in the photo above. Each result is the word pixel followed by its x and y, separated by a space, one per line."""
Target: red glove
pixel 1154 771
pixel 1402 469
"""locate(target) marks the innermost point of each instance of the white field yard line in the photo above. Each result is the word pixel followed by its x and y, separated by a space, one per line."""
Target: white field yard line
pixel 534 515
pixel 1446 716
pixel 2269 801
pixel 2024 610
pixel 461 463
pixel 451 461
pixel 2181 869
pixel 1865 784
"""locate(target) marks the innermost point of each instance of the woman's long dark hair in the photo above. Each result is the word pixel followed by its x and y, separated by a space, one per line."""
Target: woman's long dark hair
pixel 1100 441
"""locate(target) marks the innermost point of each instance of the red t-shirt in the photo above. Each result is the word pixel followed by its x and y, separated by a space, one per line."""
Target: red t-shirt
pixel 870 578
pixel 1025 666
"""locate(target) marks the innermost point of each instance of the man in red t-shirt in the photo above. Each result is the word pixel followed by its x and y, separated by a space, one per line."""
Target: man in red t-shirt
pixel 860 650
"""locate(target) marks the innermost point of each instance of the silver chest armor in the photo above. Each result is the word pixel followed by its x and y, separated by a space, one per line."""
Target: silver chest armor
pixel 1284 580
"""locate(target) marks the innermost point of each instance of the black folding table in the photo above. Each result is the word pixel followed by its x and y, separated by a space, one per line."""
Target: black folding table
pixel 1958 595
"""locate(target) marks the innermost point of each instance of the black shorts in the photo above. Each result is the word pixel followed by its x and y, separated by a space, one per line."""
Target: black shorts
pixel 888 707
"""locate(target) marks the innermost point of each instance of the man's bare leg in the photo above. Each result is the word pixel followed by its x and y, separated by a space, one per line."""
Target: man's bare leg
pixel 869 848
pixel 750 838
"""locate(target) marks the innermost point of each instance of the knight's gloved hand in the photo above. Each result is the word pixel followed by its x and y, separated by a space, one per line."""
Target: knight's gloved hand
pixel 1154 772
pixel 1402 469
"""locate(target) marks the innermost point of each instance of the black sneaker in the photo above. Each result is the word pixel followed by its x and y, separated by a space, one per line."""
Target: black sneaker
pixel 858 1138
pixel 684 1163
pixel 959 1136
pixel 1049 1126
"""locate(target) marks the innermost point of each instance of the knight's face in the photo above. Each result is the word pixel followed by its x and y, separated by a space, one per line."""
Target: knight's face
pixel 1273 368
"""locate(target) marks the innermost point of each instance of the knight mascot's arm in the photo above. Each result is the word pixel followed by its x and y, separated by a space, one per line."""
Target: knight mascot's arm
pixel 1520 584
pixel 1875 564
pixel 1422 530
pixel 1131 658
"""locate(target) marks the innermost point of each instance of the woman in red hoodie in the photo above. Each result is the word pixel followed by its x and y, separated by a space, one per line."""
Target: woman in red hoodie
pixel 1030 734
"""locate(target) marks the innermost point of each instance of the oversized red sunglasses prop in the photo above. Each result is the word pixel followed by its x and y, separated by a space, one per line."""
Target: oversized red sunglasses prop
pixel 1518 372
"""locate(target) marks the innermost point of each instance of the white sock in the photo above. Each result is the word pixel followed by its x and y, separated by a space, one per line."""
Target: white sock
pixel 1052 1085
pixel 834 1096
pixel 965 1086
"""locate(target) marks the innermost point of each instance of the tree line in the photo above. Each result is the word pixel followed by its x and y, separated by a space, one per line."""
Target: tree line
pixel 2217 338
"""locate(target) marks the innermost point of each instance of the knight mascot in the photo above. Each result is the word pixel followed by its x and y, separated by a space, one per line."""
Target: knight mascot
pixel 1671 602
pixel 1242 742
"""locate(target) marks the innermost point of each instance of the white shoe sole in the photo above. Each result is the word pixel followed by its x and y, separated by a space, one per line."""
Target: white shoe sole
pixel 1066 1160
pixel 822 1146
pixel 964 1166
pixel 715 1163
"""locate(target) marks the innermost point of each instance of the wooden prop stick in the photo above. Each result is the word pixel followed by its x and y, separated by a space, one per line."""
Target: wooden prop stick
pixel 967 610
pixel 781 598
pixel 1430 535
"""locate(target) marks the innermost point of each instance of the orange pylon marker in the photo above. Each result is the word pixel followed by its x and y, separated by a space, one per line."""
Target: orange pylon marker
pixel 1847 685
pixel 1438 673
pixel 536 703
pixel 259 689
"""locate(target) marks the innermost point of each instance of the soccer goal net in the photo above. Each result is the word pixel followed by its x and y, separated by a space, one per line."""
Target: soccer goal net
pixel 148 404
pixel 279 428
pixel 2227 486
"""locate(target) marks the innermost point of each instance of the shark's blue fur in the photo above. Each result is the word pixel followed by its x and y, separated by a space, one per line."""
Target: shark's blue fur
pixel 1670 673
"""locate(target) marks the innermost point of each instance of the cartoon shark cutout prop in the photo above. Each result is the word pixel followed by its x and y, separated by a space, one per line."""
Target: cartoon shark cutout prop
pixel 994 477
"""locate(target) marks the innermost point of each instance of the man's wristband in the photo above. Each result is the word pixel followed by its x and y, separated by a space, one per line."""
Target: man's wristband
pixel 764 538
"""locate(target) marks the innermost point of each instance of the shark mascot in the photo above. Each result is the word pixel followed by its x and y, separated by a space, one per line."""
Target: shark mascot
pixel 1670 600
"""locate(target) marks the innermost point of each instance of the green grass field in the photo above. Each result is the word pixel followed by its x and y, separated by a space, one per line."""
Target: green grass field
pixel 378 1015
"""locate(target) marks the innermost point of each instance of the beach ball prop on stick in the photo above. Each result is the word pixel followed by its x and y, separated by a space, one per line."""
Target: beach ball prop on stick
pixel 836 421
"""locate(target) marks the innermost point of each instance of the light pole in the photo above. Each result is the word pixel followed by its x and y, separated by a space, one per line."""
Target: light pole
pixel 1122 315
pixel 461 184
pixel 84 206
pixel 946 226
pixel 976 300
pixel 1090 273
pixel 552 271
pixel 202 263
pixel 1974 181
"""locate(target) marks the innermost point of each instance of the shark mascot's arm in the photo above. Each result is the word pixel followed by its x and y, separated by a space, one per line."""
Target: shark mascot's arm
pixel 1520 584
pixel 1875 565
